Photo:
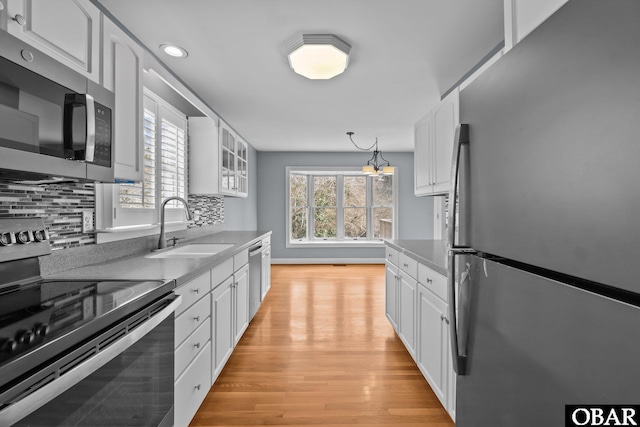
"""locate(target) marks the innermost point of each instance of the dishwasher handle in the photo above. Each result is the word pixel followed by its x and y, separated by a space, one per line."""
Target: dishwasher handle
pixel 255 249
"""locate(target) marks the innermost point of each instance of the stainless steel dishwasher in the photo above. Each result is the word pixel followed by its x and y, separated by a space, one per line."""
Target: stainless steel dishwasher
pixel 255 277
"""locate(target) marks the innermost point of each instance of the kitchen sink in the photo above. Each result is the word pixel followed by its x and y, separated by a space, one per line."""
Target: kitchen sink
pixel 192 251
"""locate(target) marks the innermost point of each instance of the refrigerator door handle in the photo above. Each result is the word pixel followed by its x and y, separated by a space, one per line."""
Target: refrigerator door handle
pixel 457 329
pixel 461 137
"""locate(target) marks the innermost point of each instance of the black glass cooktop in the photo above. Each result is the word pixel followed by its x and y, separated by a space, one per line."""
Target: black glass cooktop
pixel 39 314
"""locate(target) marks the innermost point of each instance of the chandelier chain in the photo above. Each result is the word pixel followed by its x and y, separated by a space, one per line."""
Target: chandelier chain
pixel 375 144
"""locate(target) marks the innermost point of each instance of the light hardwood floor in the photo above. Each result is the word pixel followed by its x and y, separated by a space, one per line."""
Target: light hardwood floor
pixel 321 352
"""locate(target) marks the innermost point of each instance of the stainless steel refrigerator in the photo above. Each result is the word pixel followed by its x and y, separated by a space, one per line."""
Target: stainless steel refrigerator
pixel 544 264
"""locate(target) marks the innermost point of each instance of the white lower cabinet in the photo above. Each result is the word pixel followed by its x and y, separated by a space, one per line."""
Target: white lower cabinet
pixel 213 316
pixel 391 294
pixel 189 349
pixel 433 342
pixel 192 387
pixel 222 325
pixel 229 313
pixel 192 338
pixel 265 283
pixel 416 306
pixel 241 303
pixel 407 312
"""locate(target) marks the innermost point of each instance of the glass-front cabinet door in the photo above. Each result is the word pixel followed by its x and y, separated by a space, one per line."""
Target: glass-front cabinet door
pixel 234 164
pixel 228 167
pixel 242 179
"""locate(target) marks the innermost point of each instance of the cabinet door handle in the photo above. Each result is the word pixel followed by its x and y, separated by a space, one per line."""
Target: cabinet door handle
pixel 196 318
pixel 197 345
pixel 196 290
pixel 429 280
pixel 197 387
pixel 443 317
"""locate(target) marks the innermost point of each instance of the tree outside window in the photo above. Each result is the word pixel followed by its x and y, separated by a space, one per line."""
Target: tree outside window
pixel 340 206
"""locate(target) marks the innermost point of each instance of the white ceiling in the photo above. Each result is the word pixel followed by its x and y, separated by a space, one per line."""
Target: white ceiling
pixel 405 54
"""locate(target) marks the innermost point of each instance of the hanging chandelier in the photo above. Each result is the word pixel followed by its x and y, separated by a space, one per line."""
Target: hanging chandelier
pixel 376 165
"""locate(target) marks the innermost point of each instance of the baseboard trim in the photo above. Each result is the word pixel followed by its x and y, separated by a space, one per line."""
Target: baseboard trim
pixel 327 260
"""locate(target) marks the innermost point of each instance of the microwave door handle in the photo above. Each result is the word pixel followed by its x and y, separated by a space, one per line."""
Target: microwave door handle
pixel 72 101
pixel 90 145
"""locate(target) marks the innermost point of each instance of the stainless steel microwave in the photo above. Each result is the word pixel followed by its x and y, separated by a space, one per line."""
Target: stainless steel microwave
pixel 54 122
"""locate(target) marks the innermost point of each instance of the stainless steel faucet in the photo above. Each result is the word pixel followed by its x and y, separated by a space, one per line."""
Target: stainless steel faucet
pixel 162 242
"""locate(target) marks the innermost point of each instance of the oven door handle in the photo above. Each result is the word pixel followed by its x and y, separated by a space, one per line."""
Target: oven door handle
pixel 23 407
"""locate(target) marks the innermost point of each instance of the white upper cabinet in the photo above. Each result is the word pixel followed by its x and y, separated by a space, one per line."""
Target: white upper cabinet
pixel 204 156
pixel 523 16
pixel 234 164
pixel 67 30
pixel 122 74
pixel 433 146
pixel 218 159
pixel 445 119
pixel 422 155
pixel 242 172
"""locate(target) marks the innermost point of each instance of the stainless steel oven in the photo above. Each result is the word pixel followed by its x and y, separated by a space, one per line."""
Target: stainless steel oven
pixel 81 353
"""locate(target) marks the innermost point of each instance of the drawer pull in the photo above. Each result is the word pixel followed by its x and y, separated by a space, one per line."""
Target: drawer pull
pixel 197 387
pixel 196 290
pixel 406 265
pixel 443 318
pixel 197 345
pixel 429 280
pixel 196 318
pixel 390 256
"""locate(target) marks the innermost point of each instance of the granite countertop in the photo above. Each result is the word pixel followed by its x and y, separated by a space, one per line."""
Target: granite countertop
pixel 432 253
pixel 139 267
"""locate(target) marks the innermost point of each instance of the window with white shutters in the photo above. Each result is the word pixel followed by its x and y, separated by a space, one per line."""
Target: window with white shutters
pixel 165 130
pixel 143 194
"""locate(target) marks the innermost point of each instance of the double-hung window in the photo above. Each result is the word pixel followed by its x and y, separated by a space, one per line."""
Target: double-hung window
pixel 165 144
pixel 340 206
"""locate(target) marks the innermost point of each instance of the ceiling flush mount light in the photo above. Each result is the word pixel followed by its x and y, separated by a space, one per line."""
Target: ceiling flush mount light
pixel 173 50
pixel 377 165
pixel 319 56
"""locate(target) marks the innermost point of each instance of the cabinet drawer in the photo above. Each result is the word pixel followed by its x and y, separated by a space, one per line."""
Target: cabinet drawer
pixel 191 347
pixel 266 241
pixel 435 282
pixel 189 321
pixel 221 272
pixel 240 259
pixel 192 387
pixel 409 265
pixel 391 255
pixel 193 290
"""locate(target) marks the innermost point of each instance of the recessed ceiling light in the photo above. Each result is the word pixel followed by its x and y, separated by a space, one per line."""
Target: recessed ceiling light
pixel 173 50
pixel 319 56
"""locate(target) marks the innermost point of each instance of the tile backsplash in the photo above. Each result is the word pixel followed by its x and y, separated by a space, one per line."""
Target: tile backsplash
pixel 61 206
pixel 206 210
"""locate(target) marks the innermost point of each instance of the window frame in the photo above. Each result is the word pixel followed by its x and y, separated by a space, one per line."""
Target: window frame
pixel 339 240
pixel 114 222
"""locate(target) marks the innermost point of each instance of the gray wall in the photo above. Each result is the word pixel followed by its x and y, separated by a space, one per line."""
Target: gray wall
pixel 415 214
pixel 242 213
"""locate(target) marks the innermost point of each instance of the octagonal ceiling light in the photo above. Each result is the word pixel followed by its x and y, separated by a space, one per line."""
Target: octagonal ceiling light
pixel 319 56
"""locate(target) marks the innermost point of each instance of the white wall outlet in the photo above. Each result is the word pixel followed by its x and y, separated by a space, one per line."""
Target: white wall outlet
pixel 87 222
